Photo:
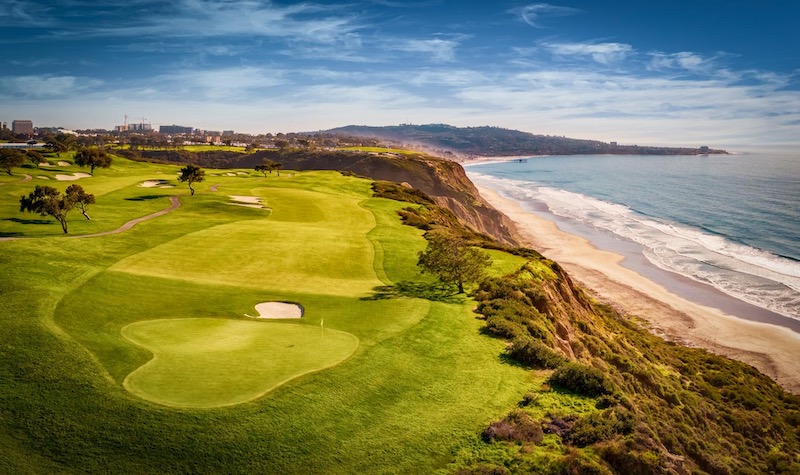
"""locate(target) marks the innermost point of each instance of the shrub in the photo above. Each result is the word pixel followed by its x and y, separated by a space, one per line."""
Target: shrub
pixel 515 427
pixel 581 379
pixel 599 426
pixel 535 354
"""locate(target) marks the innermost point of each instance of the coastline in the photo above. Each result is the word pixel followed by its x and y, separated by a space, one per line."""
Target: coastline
pixel 771 348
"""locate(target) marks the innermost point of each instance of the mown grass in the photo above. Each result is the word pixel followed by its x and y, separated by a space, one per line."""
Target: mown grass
pixel 422 381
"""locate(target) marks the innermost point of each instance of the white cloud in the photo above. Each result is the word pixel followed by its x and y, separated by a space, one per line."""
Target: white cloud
pixel 535 13
pixel 684 60
pixel 603 53
pixel 44 86
pixel 442 50
pixel 242 18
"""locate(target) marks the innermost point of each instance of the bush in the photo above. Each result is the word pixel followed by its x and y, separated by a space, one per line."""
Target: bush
pixel 515 427
pixel 599 426
pixel 580 379
pixel 535 354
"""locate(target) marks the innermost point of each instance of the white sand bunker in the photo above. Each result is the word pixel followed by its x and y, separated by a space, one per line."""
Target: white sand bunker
pixel 242 173
pixel 246 201
pixel 45 164
pixel 155 184
pixel 64 164
pixel 74 176
pixel 42 177
pixel 230 174
pixel 278 310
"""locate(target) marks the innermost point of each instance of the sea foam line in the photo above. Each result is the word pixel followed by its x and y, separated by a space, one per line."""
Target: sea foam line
pixel 752 275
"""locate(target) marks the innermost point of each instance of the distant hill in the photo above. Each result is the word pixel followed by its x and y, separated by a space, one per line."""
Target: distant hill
pixel 496 141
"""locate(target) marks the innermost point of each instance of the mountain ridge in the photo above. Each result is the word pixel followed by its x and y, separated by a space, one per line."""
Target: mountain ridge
pixel 470 142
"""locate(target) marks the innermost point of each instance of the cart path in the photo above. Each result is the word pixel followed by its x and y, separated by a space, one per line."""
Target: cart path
pixel 174 204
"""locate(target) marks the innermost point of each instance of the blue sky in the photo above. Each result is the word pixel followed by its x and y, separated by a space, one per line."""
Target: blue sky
pixel 721 73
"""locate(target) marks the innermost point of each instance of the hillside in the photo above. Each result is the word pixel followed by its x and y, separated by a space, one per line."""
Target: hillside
pixel 496 141
pixel 137 352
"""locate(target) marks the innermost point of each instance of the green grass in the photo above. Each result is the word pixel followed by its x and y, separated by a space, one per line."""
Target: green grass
pixel 209 362
pixel 421 382
pixel 399 151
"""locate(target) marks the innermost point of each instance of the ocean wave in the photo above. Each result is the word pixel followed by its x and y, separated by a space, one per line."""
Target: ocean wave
pixel 753 275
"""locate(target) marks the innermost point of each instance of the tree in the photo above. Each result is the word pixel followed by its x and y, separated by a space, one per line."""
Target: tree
pixel 10 158
pixel 35 157
pixel 48 201
pixel 191 174
pixel 61 142
pixel 452 259
pixel 267 166
pixel 77 195
pixel 93 157
pixel 277 167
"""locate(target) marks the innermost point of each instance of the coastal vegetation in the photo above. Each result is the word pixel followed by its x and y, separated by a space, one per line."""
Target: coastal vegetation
pixel 387 371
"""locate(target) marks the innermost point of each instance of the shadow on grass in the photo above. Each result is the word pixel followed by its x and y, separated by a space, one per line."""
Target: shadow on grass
pixel 423 290
pixel 5 234
pixel 145 197
pixel 29 221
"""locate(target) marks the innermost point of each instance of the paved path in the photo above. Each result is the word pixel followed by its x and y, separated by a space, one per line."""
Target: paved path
pixel 175 203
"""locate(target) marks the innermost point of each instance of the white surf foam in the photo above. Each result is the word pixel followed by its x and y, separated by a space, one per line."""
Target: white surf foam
pixel 749 274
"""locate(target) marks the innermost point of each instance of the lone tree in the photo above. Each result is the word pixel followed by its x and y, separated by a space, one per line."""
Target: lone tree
pixel 191 174
pixel 48 201
pixel 10 158
pixel 92 157
pixel 77 195
pixel 452 259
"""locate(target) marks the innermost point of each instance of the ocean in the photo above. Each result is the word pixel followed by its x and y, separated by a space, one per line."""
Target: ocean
pixel 728 221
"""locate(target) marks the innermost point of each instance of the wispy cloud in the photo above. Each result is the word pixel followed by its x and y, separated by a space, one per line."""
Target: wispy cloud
pixel 44 86
pixel 440 49
pixel 23 13
pixel 603 53
pixel 236 18
pixel 237 83
pixel 536 13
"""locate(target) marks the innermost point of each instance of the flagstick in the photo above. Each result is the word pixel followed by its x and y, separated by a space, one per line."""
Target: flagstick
pixel 322 325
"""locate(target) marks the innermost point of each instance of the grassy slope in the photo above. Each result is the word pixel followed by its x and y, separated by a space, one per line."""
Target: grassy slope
pixel 422 380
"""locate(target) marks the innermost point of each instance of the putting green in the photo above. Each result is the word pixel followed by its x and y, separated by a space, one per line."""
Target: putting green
pixel 209 362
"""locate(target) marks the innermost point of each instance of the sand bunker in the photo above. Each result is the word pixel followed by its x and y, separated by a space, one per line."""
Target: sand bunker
pixel 45 164
pixel 230 174
pixel 242 173
pixel 42 177
pixel 74 176
pixel 278 310
pixel 64 164
pixel 155 184
pixel 246 201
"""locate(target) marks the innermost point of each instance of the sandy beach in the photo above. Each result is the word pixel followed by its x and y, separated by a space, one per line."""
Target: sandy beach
pixel 771 348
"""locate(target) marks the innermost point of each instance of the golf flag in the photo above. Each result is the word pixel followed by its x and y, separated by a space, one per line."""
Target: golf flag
pixel 321 322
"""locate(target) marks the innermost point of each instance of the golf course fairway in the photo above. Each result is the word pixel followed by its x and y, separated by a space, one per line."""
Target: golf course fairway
pixel 208 362
pixel 132 352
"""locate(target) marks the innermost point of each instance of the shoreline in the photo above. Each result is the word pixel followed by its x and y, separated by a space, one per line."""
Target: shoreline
pixel 769 347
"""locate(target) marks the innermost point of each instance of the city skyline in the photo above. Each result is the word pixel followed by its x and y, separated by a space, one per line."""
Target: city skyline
pixel 669 73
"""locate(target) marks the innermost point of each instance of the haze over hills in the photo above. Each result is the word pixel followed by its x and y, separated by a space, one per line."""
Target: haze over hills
pixel 497 141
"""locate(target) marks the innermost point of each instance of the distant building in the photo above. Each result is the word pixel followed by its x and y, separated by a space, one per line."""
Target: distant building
pixel 175 129
pixel 704 149
pixel 22 127
pixel 613 144
pixel 141 127
pixel 228 133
